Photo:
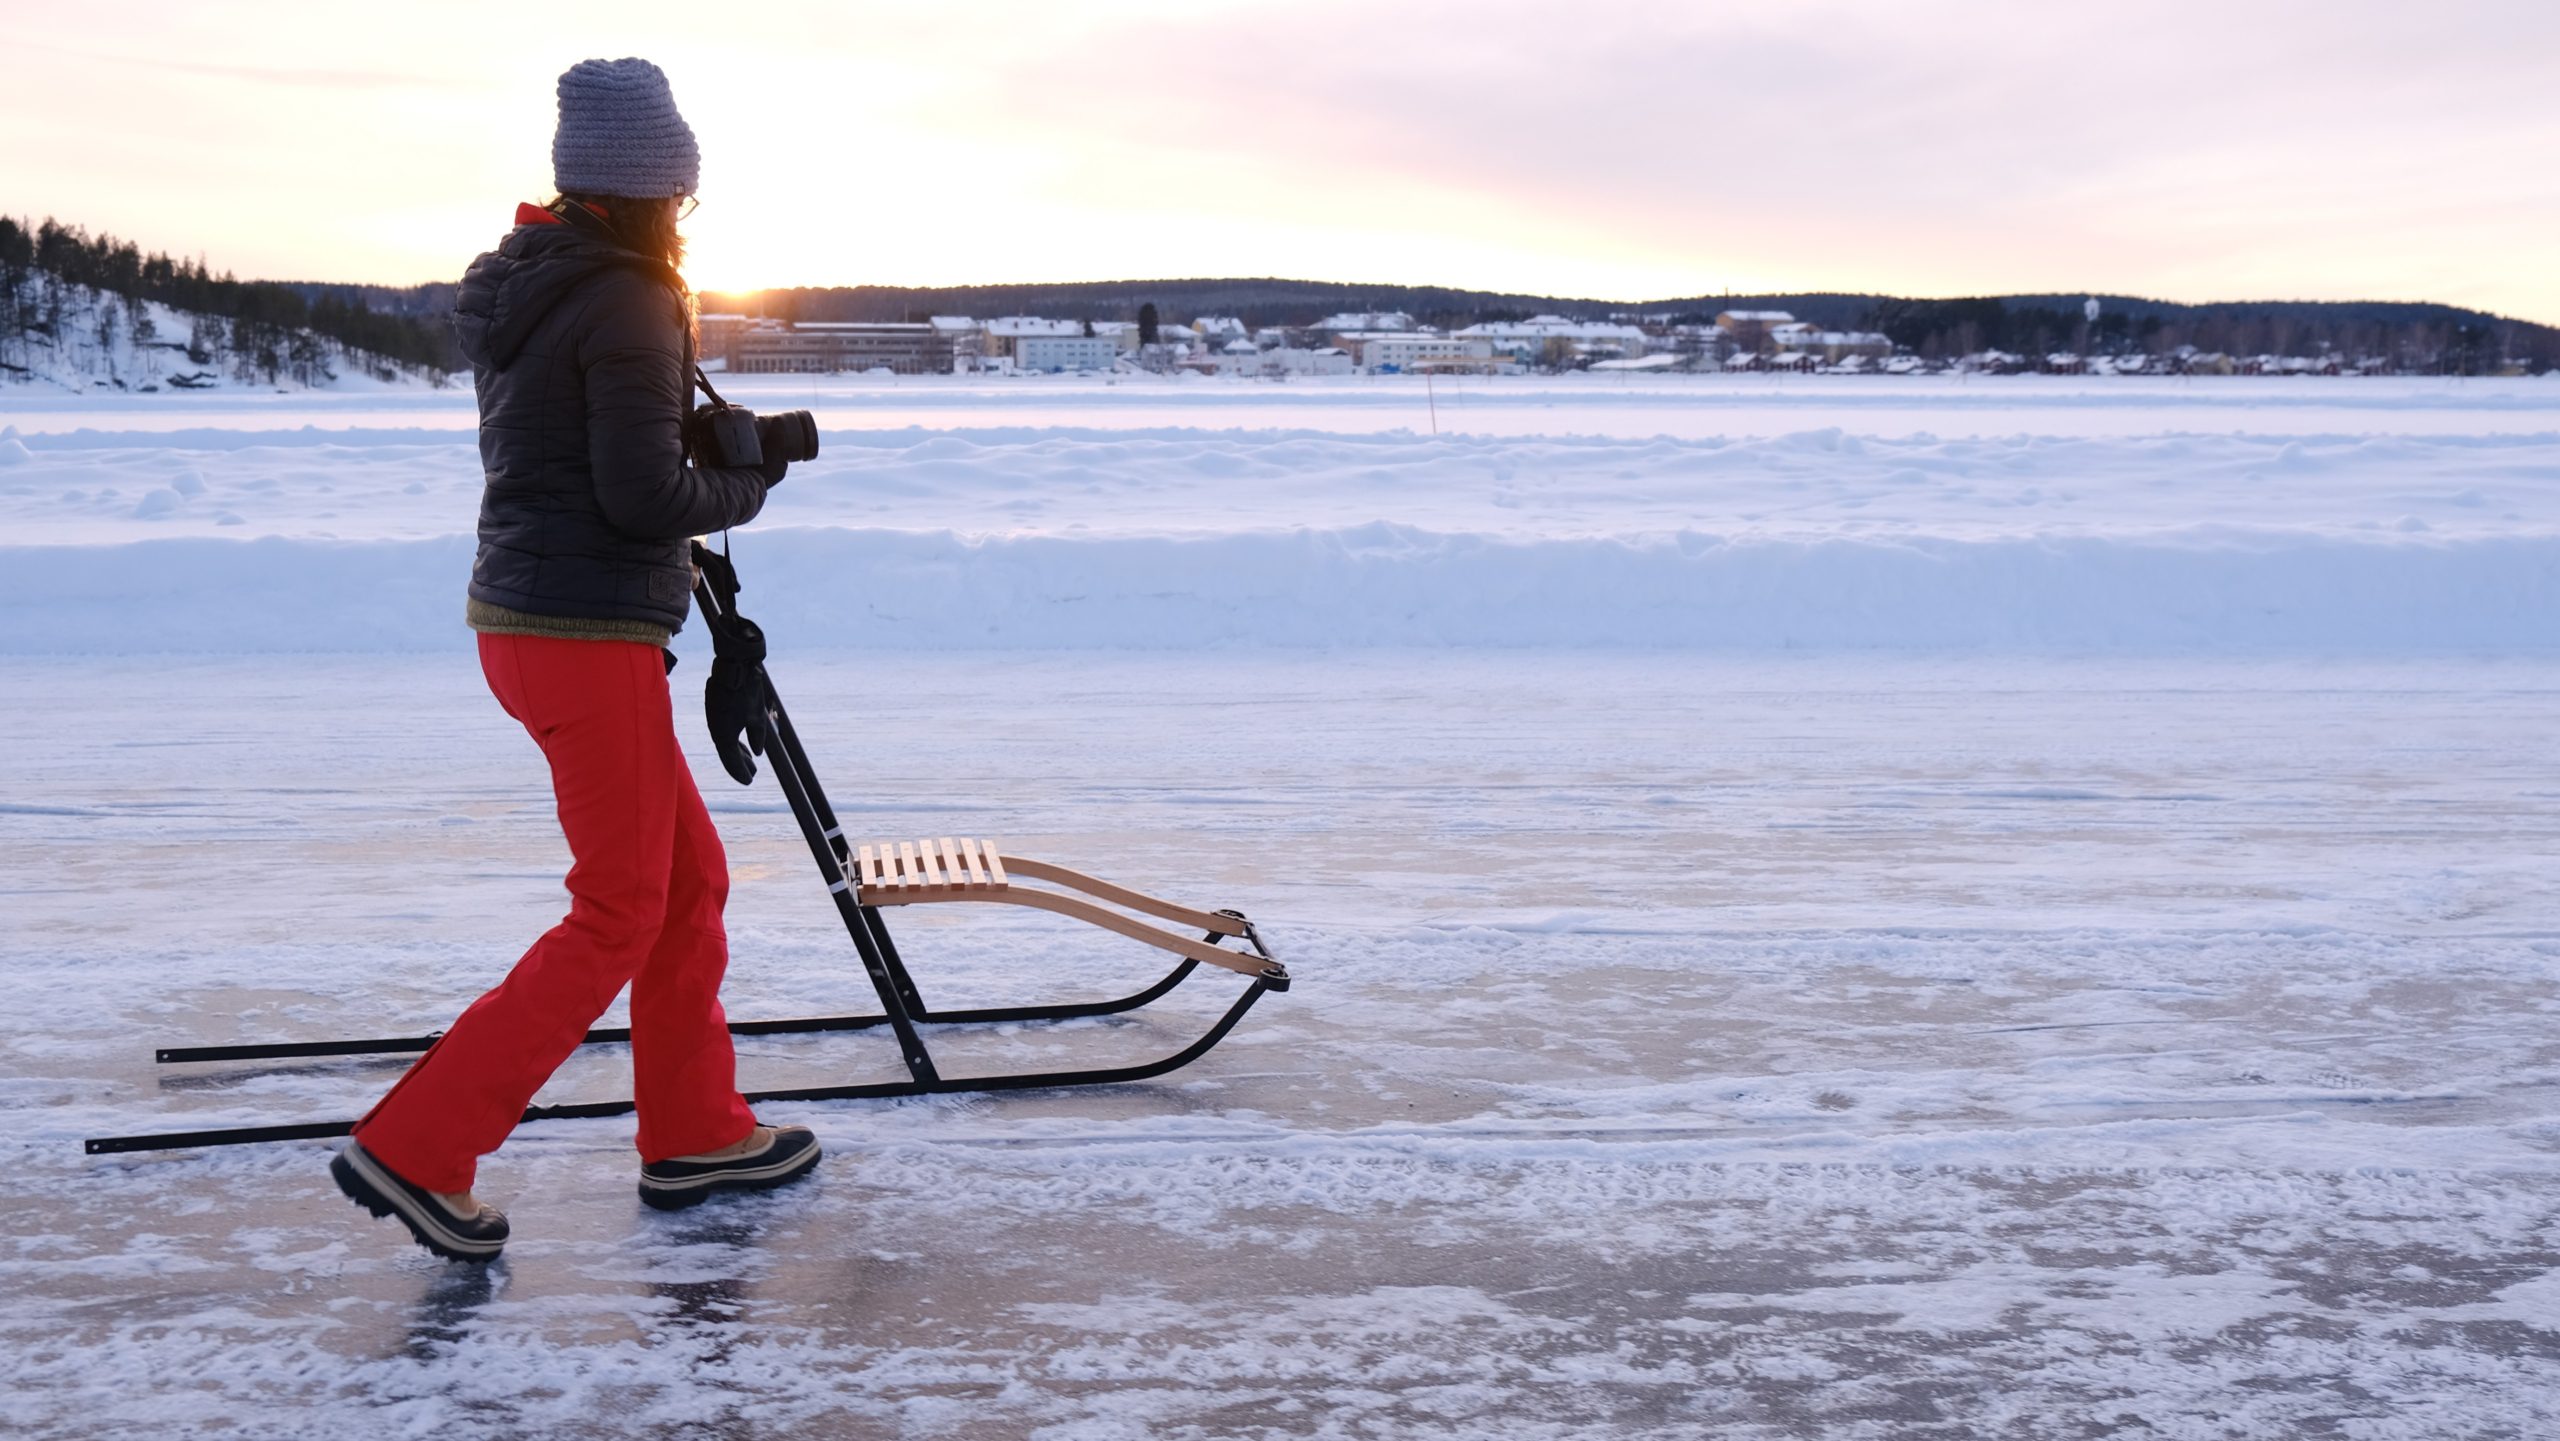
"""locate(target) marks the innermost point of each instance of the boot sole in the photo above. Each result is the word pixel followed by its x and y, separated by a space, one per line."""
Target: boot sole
pixel 361 1190
pixel 686 1194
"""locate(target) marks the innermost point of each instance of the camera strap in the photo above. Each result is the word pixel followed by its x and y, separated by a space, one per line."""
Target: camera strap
pixel 704 383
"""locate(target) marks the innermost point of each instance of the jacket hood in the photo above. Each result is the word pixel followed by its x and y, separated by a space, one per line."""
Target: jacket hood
pixel 507 291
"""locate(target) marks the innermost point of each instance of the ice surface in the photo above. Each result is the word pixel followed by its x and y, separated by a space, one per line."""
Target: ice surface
pixel 1793 1047
pixel 1842 1043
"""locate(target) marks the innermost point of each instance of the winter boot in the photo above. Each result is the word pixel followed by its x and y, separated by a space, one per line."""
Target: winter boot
pixel 458 1228
pixel 770 1156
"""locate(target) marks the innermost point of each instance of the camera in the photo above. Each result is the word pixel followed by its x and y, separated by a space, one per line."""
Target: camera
pixel 720 434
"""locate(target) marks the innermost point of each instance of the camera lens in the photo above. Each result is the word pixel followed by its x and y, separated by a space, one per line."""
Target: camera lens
pixel 799 435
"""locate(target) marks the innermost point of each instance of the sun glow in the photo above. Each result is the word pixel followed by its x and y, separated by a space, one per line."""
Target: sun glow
pixel 1643 152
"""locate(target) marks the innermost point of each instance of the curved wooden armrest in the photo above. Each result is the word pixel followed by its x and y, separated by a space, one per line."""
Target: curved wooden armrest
pixel 1225 925
pixel 907 873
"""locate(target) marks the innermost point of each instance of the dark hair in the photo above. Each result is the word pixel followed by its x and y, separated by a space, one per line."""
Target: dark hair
pixel 645 225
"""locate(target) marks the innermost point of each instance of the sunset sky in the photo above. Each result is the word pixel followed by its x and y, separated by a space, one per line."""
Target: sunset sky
pixel 1626 151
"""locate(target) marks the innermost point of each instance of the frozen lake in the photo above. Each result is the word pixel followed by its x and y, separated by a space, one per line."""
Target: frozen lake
pixel 1813 1047
pixel 1929 1029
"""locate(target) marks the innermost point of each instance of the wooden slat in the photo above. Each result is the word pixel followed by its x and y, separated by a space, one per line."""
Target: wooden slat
pixel 954 874
pixel 995 866
pixel 908 877
pixel 862 872
pixel 973 863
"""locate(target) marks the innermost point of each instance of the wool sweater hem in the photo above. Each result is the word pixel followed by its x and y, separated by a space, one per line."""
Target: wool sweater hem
pixel 489 619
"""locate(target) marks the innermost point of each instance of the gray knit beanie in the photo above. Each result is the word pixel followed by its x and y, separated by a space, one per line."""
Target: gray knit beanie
pixel 620 134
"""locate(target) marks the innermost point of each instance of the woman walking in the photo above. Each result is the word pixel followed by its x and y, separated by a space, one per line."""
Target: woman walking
pixel 578 332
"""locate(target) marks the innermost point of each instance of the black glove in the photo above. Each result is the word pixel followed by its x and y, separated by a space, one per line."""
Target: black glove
pixel 733 699
pixel 774 444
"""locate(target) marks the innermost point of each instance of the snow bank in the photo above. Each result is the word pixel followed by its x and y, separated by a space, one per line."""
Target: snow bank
pixel 1372 585
pixel 343 538
pixel 1688 406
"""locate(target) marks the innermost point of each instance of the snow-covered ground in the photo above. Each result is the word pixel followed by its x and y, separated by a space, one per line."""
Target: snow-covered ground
pixel 1987 1031
pixel 2339 516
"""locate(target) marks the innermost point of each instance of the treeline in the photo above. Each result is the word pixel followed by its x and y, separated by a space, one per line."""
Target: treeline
pixel 2408 336
pixel 260 323
pixel 1257 302
pixel 2440 339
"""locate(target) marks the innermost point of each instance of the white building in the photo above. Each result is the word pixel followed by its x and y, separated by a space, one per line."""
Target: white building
pixel 1218 330
pixel 1527 339
pixel 1420 349
pixel 1837 345
pixel 967 338
pixel 1322 360
pixel 1005 333
pixel 1363 320
pixel 1077 351
pixel 1284 360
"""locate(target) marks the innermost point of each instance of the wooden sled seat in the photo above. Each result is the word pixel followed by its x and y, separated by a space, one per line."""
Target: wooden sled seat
pixel 891 873
pixel 903 873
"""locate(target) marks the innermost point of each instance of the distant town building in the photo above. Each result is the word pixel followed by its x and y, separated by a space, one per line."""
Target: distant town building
pixel 1419 349
pixel 773 347
pixel 1528 339
pixel 1842 345
pixel 1005 333
pixel 966 337
pixel 1281 361
pixel 1077 351
pixel 1321 360
pixel 1349 322
pixel 1751 331
pixel 715 331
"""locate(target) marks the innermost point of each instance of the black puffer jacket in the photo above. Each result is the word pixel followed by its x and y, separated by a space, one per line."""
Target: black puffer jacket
pixel 581 354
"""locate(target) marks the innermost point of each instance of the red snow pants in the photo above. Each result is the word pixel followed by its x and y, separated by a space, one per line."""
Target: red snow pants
pixel 647 881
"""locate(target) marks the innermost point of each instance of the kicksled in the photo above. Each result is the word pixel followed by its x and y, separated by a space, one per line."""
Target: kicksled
pixel 865 878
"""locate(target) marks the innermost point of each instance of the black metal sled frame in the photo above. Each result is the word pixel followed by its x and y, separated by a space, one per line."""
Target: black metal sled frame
pixel 862 879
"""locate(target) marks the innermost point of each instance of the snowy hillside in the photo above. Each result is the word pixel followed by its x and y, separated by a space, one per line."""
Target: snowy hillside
pixel 84 340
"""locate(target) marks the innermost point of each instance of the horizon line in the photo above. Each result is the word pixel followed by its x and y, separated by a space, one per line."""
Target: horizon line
pixel 2101 295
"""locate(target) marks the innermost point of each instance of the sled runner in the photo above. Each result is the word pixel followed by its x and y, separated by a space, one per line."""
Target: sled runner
pixel 865 878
